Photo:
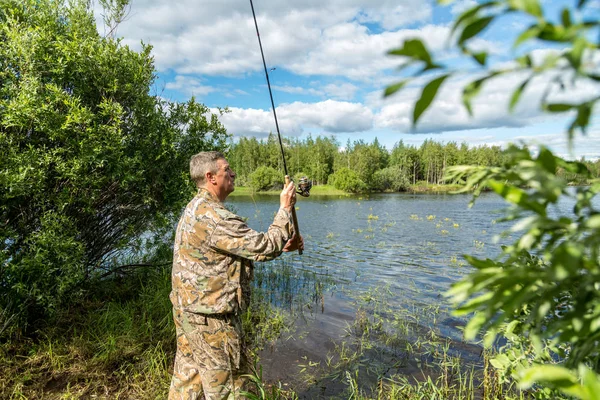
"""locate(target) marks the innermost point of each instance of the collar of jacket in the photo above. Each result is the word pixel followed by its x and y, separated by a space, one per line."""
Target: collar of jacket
pixel 203 193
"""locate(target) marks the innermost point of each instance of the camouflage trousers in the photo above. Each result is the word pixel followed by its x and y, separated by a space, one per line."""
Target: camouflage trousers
pixel 209 360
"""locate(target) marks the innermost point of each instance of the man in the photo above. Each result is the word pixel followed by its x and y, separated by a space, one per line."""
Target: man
pixel 212 269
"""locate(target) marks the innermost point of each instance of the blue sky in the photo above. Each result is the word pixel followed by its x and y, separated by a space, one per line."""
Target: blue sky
pixel 331 68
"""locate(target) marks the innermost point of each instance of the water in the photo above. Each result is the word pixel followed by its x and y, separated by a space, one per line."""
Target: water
pixel 403 250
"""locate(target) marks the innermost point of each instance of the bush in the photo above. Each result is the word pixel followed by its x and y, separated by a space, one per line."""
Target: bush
pixel 392 178
pixel 266 178
pixel 89 159
pixel 347 180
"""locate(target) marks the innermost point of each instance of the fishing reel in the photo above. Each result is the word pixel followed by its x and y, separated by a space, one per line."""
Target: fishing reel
pixel 304 186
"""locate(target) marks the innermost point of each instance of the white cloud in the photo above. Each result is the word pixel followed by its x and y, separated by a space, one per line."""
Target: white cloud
pixel 189 85
pixel 342 91
pixel 306 37
pixel 329 116
pixel 490 107
pixel 299 90
pixel 460 6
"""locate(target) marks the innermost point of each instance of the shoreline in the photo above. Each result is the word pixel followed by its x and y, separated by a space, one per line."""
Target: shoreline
pixel 328 190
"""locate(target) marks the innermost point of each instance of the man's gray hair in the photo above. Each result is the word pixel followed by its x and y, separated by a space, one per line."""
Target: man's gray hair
pixel 202 163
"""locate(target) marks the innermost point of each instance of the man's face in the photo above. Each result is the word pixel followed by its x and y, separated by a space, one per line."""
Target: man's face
pixel 225 178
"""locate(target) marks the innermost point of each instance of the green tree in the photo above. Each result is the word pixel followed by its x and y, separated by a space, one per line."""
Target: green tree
pixel 542 293
pixel 391 178
pixel 347 180
pixel 266 178
pixel 89 160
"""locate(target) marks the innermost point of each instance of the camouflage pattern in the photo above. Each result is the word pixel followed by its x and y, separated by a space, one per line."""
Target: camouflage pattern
pixel 212 269
pixel 210 361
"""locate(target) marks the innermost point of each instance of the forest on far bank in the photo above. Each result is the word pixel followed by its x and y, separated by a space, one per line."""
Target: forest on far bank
pixel 360 166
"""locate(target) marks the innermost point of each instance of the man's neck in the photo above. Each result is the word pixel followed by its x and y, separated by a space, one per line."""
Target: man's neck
pixel 212 191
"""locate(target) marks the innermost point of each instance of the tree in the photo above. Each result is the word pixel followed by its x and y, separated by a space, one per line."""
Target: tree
pixel 541 294
pixel 89 159
pixel 347 180
pixel 391 178
pixel 265 178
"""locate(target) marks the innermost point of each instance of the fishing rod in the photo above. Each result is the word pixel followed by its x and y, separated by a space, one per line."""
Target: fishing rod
pixel 304 185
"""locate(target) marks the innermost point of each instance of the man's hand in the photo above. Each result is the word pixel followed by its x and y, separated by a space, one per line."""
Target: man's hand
pixel 294 244
pixel 287 198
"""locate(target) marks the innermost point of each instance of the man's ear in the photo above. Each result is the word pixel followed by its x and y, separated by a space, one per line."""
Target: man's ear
pixel 209 176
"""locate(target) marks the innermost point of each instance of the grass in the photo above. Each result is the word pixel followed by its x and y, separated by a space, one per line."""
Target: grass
pixel 328 190
pixel 120 344
pixel 122 348
pixel 320 190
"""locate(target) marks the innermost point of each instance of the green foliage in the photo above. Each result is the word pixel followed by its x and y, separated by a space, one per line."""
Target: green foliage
pixel 391 178
pixel 347 180
pixel 266 178
pixel 542 293
pixel 87 154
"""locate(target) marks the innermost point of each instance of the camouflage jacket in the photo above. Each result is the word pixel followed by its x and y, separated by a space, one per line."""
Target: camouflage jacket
pixel 213 254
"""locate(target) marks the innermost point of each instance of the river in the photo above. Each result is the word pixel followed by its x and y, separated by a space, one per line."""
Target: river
pixel 379 262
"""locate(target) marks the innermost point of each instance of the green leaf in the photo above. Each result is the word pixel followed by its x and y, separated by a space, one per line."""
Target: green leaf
pixel 427 95
pixel 501 361
pixel 473 89
pixel 474 326
pixel 480 57
pixel 593 222
pixel 575 55
pixel 474 28
pixel 514 99
pixel 566 17
pixel 470 13
pixel 415 49
pixel 531 7
pixel 547 160
pixel 558 107
pixel 557 376
pixel 529 33
pixel 394 88
pixel 584 111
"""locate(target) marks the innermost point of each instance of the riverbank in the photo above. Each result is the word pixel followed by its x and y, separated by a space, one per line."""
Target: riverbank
pixel 328 190
pixel 123 348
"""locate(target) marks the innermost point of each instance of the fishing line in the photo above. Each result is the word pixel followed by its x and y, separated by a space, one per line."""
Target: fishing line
pixel 304 184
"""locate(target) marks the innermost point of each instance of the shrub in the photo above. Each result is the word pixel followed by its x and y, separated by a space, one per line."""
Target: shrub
pixel 391 178
pixel 347 180
pixel 266 178
pixel 89 159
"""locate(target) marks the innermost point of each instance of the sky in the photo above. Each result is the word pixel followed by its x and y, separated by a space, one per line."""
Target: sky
pixel 328 67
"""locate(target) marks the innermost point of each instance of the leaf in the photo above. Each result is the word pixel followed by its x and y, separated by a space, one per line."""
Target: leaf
pixel 531 7
pixel 558 377
pixel 474 326
pixel 474 28
pixel 480 57
pixel 514 99
pixel 473 89
pixel 575 55
pixel 415 49
pixel 468 14
pixel 593 222
pixel 566 17
pixel 547 160
pixel 394 88
pixel 584 111
pixel 529 33
pixel 558 107
pixel 427 95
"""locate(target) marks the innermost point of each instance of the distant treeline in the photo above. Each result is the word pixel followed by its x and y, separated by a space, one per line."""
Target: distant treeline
pixel 360 166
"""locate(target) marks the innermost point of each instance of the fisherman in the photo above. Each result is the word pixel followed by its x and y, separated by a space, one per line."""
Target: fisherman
pixel 212 269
